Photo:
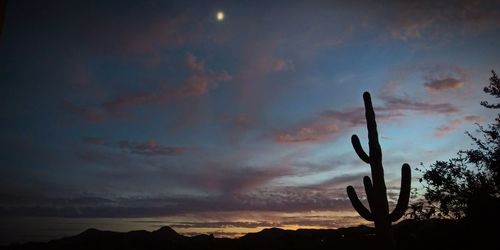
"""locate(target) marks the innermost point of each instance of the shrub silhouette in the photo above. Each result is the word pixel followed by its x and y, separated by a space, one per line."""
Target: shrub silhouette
pixel 467 185
pixel 376 192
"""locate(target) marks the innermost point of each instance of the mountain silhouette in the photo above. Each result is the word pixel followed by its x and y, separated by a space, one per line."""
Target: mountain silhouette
pixel 436 234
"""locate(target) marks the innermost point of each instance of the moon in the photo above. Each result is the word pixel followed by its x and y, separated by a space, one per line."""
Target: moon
pixel 220 16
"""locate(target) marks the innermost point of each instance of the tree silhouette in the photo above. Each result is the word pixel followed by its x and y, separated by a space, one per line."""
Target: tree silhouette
pixel 469 183
pixel 376 192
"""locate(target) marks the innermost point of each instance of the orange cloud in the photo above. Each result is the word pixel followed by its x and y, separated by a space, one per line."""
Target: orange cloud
pixel 439 85
pixel 455 124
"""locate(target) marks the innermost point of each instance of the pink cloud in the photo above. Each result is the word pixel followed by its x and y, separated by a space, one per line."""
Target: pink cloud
pixel 401 104
pixel 439 85
pixel 197 83
pixel 194 65
pixel 312 132
pixel 331 122
pixel 453 125
pixel 201 80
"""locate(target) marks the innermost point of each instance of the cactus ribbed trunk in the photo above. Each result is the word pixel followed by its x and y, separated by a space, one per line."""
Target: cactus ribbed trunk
pixel 376 192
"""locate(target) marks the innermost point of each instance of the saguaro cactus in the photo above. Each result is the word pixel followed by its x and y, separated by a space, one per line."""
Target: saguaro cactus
pixel 376 192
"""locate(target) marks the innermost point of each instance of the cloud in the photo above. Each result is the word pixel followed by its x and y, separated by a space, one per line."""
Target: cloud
pixel 279 64
pixel 453 125
pixel 288 199
pixel 331 122
pixel 321 127
pixel 410 20
pixel 201 80
pixel 194 65
pixel 89 114
pixel 405 104
pixel 439 85
pixel 341 181
pixel 197 83
pixel 313 131
pixel 440 78
pixel 150 148
pixel 147 148
pixel 229 177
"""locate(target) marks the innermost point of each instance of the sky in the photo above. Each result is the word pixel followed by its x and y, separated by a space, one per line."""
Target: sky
pixel 124 115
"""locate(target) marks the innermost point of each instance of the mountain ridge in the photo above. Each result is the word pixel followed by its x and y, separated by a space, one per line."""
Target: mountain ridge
pixel 410 234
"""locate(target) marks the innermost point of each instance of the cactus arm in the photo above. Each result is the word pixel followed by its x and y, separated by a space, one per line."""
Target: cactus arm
pixel 369 191
pixel 404 194
pixel 358 206
pixel 359 149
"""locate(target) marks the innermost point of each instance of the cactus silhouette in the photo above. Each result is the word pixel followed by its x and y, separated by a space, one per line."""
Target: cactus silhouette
pixel 376 192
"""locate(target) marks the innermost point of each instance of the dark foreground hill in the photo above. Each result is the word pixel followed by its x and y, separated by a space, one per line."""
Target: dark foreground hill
pixel 430 234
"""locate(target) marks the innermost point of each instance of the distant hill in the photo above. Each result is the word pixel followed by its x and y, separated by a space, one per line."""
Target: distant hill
pixel 410 234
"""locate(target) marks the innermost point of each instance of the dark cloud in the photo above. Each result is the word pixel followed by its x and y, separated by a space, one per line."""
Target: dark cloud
pixel 278 199
pixel 147 148
pixel 342 181
pixel 286 200
pixel 150 148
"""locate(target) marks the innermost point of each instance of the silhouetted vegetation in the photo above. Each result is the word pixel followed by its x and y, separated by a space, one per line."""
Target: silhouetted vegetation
pixel 467 188
pixel 376 192
pixel 469 184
